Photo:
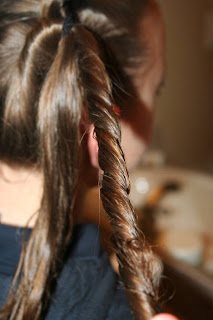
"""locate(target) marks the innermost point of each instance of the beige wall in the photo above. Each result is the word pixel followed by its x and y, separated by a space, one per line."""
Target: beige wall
pixel 184 119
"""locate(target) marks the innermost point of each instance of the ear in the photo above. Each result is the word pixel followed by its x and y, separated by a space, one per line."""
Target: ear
pixel 93 147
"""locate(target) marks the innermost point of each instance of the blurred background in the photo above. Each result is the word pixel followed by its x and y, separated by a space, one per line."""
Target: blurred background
pixel 184 119
pixel 172 189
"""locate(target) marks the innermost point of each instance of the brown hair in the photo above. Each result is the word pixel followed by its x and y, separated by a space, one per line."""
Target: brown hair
pixel 47 84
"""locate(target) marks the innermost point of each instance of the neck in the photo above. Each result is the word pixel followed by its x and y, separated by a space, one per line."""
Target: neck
pixel 20 194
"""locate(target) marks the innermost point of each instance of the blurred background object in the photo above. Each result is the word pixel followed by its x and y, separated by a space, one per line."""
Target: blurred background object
pixel 180 202
pixel 175 212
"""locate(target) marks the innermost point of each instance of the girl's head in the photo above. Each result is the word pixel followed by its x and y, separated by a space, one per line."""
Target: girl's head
pixel 131 38
pixel 53 88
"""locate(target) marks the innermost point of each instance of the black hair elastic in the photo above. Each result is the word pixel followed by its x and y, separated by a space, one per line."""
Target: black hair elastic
pixel 71 8
pixel 69 22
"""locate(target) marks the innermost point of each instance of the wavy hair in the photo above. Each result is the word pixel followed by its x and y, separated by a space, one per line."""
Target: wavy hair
pixel 48 83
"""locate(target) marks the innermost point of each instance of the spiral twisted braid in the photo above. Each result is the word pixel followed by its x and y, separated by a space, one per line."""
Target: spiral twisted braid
pixel 138 268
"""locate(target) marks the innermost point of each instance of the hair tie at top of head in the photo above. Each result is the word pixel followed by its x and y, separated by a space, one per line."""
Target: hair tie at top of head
pixel 71 7
pixel 69 22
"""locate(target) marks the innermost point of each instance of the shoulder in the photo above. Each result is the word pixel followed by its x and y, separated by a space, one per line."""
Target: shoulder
pixel 88 287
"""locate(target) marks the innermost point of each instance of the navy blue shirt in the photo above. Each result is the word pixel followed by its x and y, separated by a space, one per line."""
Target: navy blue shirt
pixel 87 288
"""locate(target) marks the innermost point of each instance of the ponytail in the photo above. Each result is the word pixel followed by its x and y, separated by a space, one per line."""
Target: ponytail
pixel 59 105
pixel 139 269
